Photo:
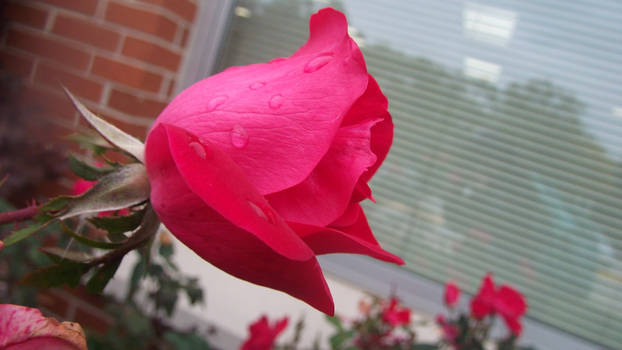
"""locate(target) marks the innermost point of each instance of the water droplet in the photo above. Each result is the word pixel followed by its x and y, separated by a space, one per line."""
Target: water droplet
pixel 318 62
pixel 276 101
pixel 198 149
pixel 264 212
pixel 216 102
pixel 239 137
pixel 257 85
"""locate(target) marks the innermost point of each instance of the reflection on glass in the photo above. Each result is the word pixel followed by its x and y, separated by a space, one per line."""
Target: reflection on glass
pixel 517 173
pixel 488 24
pixel 482 70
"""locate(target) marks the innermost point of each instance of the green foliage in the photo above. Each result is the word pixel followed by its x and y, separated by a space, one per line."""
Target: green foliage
pixel 118 225
pixel 87 171
pixel 67 272
pixel 99 280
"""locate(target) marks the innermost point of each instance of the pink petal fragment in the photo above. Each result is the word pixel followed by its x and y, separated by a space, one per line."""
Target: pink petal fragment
pixel 211 175
pixel 24 328
pixel 209 204
pixel 324 196
pixel 355 239
pixel 286 112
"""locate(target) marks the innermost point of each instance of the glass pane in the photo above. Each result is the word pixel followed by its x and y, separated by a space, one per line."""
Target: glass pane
pixel 507 152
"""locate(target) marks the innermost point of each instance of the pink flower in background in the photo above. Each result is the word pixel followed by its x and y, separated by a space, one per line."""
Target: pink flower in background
pixel 260 168
pixel 505 300
pixel 483 303
pixel 23 328
pixel 396 314
pixel 262 335
pixel 452 294
pixel 511 305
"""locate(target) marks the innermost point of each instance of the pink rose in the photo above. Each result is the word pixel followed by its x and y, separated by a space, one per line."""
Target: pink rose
pixel 24 328
pixel 396 314
pixel 260 168
pixel 262 335
pixel 452 294
pixel 505 300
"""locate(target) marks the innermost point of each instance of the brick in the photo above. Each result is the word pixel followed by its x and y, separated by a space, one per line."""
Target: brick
pixel 126 74
pixel 143 20
pixel 79 85
pixel 86 32
pixel 18 65
pixel 25 14
pixel 83 6
pixel 51 48
pixel 135 106
pixel 151 53
pixel 184 8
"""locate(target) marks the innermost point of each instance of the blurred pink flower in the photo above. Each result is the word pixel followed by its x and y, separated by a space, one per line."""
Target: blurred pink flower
pixel 262 335
pixel 24 328
pixel 452 294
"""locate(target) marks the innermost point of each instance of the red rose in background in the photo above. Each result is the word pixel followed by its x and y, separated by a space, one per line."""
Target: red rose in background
pixel 262 335
pixel 396 314
pixel 24 328
pixel 260 168
pixel 452 294
pixel 483 303
pixel 505 300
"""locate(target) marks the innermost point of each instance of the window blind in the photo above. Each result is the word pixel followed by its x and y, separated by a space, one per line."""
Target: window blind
pixel 507 151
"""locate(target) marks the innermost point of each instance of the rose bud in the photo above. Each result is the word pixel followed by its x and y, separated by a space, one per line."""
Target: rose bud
pixel 260 168
pixel 452 294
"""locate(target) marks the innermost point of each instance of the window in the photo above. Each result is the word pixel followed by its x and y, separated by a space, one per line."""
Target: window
pixel 507 151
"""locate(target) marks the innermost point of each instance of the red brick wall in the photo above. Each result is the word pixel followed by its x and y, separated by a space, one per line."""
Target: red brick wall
pixel 121 57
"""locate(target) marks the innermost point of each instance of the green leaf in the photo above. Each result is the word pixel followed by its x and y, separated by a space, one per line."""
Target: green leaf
pixel 166 250
pixel 23 233
pixel 110 132
pixel 337 340
pixel 98 282
pixel 53 276
pixel 186 341
pixel 85 170
pixel 87 241
pixel 138 273
pixel 126 186
pixel 117 225
pixel 335 322
pixel 56 204
pixel 59 255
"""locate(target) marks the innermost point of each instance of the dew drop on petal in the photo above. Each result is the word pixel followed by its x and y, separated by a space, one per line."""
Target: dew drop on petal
pixel 276 101
pixel 198 149
pixel 318 62
pixel 239 136
pixel 257 85
pixel 264 212
pixel 216 102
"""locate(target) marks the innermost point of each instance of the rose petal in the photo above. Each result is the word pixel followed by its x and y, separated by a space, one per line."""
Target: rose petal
pixel 355 239
pixel 277 120
pixel 24 328
pixel 208 203
pixel 372 105
pixel 324 196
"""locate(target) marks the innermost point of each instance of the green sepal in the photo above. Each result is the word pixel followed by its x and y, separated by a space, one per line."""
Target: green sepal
pixel 55 204
pixel 60 255
pixel 24 233
pixel 67 272
pixel 87 171
pixel 100 279
pixel 87 241
pixel 119 224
